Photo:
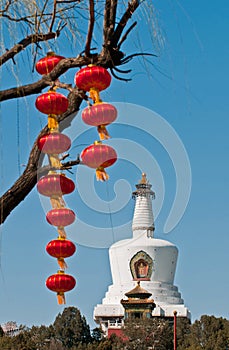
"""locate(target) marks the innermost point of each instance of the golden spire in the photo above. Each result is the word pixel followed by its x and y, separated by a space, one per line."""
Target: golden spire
pixel 143 179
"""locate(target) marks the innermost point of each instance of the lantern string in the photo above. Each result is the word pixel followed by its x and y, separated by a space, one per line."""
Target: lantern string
pixel 61 232
pixel 61 262
pixel 103 133
pixel 46 106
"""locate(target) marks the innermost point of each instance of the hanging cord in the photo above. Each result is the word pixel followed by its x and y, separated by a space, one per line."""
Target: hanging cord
pixel 18 140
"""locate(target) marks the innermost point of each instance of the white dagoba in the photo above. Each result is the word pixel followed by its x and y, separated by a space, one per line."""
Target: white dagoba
pixel 142 258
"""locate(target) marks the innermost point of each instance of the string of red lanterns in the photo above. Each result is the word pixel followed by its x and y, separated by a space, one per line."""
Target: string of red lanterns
pixel 99 156
pixel 54 185
pixel 95 79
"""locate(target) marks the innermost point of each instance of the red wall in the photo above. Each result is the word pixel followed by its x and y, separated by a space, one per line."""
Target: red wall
pixel 118 332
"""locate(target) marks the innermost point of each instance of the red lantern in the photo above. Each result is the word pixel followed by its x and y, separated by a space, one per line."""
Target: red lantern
pixel 54 143
pixel 100 115
pixel 60 283
pixel 46 64
pixel 52 102
pixel 60 217
pixel 93 79
pixel 55 185
pixel 61 249
pixel 99 156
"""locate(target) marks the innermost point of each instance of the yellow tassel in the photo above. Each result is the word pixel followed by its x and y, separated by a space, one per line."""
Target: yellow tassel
pixel 53 124
pixel 57 202
pixel 54 161
pixel 101 174
pixel 62 263
pixel 61 298
pixel 94 95
pixel 103 133
pixel 61 232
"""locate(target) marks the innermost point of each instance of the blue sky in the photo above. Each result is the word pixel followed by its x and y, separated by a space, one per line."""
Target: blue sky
pixel 187 85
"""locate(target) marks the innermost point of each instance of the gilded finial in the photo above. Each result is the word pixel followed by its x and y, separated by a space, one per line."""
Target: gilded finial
pixel 143 179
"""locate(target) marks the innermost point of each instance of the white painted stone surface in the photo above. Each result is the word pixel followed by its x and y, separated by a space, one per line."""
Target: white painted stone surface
pixel 164 256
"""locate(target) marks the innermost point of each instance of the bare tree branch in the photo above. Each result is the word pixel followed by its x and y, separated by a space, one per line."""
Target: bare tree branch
pixel 130 57
pixel 20 19
pixel 126 34
pixel 45 81
pixel 44 170
pixel 30 39
pixel 53 15
pixel 132 6
pixel 112 17
pixel 117 77
pixel 90 28
pixel 122 70
pixel 109 21
pixel 6 7
pixel 106 21
pixel 104 59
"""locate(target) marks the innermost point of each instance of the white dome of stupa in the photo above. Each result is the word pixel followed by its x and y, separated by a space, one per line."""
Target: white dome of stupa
pixel 142 258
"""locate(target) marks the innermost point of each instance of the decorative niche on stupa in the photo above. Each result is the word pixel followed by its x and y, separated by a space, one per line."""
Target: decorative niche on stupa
pixel 141 266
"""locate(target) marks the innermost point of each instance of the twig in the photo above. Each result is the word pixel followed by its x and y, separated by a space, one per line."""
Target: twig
pixel 132 6
pixel 70 164
pixel 6 7
pixel 122 70
pixel 126 34
pixel 129 58
pixel 13 19
pixel 64 166
pixel 41 14
pixel 53 16
pixel 58 84
pixel 119 78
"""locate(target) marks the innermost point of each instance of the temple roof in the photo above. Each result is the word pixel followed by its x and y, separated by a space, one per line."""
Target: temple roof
pixel 138 292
